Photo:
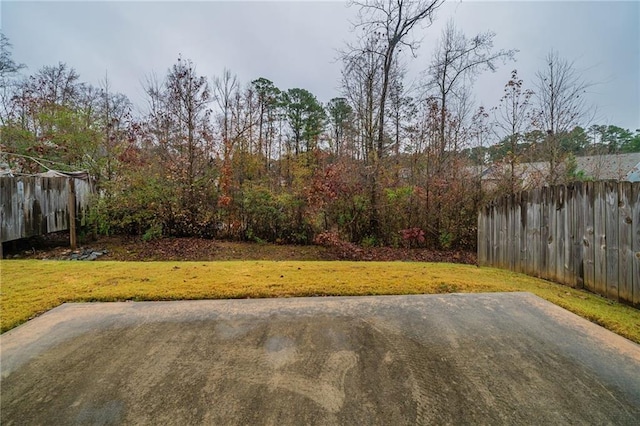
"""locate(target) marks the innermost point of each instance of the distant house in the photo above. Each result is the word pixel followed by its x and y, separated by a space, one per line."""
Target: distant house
pixel 621 167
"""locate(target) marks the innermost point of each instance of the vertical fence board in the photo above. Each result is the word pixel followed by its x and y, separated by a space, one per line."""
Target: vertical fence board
pixel 588 241
pixel 575 220
pixel 635 232
pixel 516 228
pixel 544 231
pixel 510 255
pixel 480 238
pixel 552 237
pixel 492 233
pixel 530 233
pixel 523 259
pixel 561 237
pixel 625 266
pixel 536 230
pixel 600 258
pixel 503 247
pixel 613 258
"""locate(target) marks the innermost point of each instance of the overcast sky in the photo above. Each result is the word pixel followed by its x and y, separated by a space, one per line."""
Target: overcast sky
pixel 295 44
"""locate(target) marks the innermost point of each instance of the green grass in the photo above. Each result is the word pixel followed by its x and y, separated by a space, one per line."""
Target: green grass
pixel 31 287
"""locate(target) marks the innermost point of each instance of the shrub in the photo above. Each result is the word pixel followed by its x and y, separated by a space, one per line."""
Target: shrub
pixel 413 237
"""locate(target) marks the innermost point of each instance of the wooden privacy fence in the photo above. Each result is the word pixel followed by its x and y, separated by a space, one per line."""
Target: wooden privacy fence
pixel 36 205
pixel 584 235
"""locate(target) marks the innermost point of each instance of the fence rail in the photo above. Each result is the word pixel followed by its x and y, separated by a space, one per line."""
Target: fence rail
pixel 34 205
pixel 584 235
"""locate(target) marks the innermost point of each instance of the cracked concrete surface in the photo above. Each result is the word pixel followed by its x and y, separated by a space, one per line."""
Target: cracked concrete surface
pixel 508 358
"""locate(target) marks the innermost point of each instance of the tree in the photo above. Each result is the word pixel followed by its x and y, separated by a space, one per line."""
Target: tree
pixel 340 116
pixel 361 80
pixel 53 117
pixel 561 106
pixel 512 118
pixel 575 141
pixel 41 96
pixel 8 70
pixel 56 85
pixel 614 139
pixel 268 96
pixel 305 116
pixel 8 66
pixel 457 62
pixel 401 110
pixel 387 26
pixel 631 144
pixel 454 67
pixel 189 96
pixel 224 88
pixel 179 124
pixel 391 22
pixel 115 119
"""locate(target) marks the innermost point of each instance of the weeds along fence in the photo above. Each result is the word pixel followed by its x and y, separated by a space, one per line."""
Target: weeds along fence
pixel 584 235
pixel 36 205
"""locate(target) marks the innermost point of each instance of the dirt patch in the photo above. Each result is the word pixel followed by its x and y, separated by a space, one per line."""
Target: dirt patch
pixel 56 246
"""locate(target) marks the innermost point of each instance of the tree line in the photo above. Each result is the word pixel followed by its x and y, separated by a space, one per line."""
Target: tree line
pixel 381 164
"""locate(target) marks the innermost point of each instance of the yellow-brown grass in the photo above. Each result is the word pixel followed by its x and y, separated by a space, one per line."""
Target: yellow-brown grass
pixel 31 287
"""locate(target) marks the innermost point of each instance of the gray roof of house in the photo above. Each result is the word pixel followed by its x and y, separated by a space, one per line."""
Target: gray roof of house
pixel 625 167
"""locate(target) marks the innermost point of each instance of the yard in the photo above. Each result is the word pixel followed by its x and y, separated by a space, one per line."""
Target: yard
pixel 32 287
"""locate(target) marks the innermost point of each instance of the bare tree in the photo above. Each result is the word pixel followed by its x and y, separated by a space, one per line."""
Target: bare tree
pixel 361 82
pixel 56 85
pixel 115 115
pixel 391 21
pixel 8 70
pixel 43 95
pixel 512 118
pixel 561 106
pixel 180 119
pixel 224 88
pixel 455 65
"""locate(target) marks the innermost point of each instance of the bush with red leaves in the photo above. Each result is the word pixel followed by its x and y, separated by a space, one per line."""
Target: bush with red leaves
pixel 412 237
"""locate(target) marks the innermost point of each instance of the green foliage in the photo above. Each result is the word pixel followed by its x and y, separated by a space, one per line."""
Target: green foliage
pixel 369 241
pixel 445 239
pixel 306 117
pixel 612 139
pixel 137 205
pixel 340 116
pixel 575 142
pixel 399 195
pixel 270 217
pixel 154 232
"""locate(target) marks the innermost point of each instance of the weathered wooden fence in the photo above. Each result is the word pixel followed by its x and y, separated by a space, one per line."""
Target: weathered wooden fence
pixel 35 205
pixel 584 235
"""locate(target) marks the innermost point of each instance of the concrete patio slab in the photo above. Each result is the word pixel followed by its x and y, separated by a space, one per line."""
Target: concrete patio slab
pixel 507 358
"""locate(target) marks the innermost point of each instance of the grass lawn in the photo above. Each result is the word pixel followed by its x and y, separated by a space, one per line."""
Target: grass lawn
pixel 31 287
